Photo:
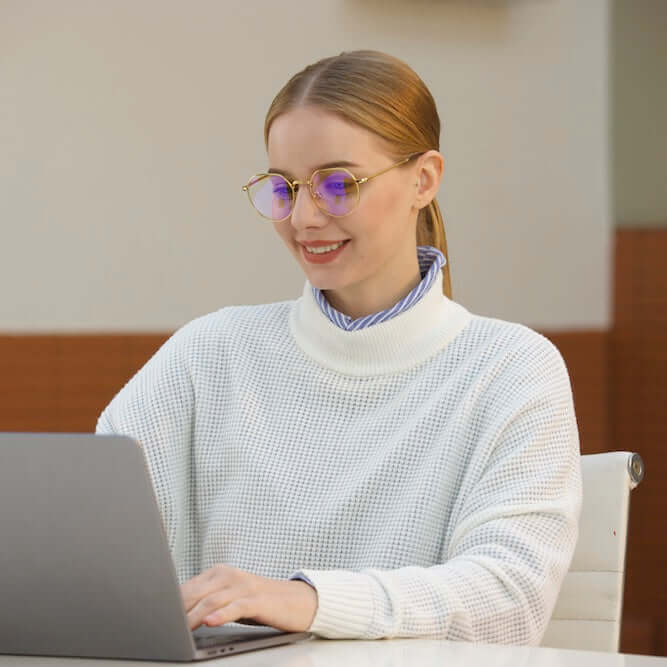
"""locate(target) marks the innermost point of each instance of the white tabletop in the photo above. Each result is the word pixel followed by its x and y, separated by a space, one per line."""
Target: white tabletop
pixel 317 652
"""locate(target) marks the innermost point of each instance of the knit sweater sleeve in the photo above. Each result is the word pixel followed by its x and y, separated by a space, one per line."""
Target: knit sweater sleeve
pixel 156 408
pixel 509 548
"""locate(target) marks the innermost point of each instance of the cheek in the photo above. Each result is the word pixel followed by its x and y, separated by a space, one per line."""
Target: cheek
pixel 286 234
pixel 390 200
pixel 381 214
pixel 282 231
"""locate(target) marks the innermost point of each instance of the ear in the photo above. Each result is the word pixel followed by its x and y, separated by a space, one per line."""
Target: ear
pixel 428 174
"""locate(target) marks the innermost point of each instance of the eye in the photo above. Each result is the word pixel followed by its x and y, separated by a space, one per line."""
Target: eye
pixel 335 186
pixel 281 189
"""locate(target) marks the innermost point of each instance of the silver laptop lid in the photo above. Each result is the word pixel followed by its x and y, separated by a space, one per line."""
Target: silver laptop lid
pixel 85 568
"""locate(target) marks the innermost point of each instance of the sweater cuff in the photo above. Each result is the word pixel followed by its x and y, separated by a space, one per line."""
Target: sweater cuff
pixel 344 603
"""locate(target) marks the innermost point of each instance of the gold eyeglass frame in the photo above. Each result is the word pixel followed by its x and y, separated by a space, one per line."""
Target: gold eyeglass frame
pixel 309 183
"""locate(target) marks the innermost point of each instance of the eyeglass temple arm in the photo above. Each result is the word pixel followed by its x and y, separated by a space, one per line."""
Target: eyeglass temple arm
pixel 398 164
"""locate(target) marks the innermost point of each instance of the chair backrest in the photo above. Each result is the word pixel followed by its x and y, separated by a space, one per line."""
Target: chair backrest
pixel 588 610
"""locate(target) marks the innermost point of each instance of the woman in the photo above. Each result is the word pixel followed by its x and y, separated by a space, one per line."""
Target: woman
pixel 369 460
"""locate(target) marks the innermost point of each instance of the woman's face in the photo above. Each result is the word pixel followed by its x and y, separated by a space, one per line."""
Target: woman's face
pixel 382 228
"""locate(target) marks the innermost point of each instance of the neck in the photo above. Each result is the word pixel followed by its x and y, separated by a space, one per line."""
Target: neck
pixel 377 293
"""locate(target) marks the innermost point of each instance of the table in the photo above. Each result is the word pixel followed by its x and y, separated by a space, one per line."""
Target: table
pixel 318 652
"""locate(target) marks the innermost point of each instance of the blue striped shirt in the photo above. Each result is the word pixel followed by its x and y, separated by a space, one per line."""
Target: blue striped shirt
pixel 431 260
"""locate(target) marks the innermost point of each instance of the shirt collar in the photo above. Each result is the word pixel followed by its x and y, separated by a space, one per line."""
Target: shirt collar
pixel 431 260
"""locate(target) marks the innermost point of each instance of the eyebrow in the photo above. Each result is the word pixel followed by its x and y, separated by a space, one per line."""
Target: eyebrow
pixel 328 165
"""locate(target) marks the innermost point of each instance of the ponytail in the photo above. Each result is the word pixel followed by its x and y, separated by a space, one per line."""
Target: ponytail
pixel 431 231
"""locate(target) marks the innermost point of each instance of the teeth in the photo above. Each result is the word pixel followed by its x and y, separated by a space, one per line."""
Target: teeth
pixel 324 248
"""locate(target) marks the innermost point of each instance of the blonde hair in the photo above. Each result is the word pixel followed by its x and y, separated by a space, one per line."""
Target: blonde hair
pixel 385 96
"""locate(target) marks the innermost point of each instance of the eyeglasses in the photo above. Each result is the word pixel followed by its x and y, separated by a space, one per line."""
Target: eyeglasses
pixel 334 190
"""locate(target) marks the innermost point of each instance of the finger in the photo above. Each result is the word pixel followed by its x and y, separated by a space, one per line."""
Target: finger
pixel 215 578
pixel 191 585
pixel 208 605
pixel 236 609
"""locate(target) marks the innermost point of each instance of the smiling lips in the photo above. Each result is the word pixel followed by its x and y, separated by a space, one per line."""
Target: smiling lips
pixel 325 253
pixel 317 244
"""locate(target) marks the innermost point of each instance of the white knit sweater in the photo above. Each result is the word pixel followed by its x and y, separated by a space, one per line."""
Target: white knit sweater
pixel 423 473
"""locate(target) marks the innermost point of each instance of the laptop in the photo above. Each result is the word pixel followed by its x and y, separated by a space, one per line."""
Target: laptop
pixel 85 566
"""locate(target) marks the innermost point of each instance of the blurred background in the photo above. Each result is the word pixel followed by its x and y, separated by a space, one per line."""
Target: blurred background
pixel 127 128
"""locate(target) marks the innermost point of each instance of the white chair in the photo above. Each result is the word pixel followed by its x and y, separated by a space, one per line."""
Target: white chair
pixel 588 610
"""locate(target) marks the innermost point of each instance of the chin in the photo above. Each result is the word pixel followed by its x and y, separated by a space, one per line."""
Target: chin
pixel 324 284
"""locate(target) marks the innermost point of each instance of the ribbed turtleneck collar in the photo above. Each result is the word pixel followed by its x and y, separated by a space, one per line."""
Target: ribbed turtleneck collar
pixel 391 346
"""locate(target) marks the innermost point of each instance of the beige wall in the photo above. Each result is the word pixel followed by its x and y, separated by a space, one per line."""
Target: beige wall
pixel 128 126
pixel 639 112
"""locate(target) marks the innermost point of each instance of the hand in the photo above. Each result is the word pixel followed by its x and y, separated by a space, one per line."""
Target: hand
pixel 223 594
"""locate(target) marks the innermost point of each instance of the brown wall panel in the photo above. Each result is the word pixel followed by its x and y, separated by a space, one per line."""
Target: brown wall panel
pixel 63 382
pixel 586 355
pixel 638 396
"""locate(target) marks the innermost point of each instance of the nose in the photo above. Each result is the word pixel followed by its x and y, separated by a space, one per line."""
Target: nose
pixel 305 213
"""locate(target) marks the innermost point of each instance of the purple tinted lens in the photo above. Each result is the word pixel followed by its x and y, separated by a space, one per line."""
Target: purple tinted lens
pixel 335 191
pixel 271 196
